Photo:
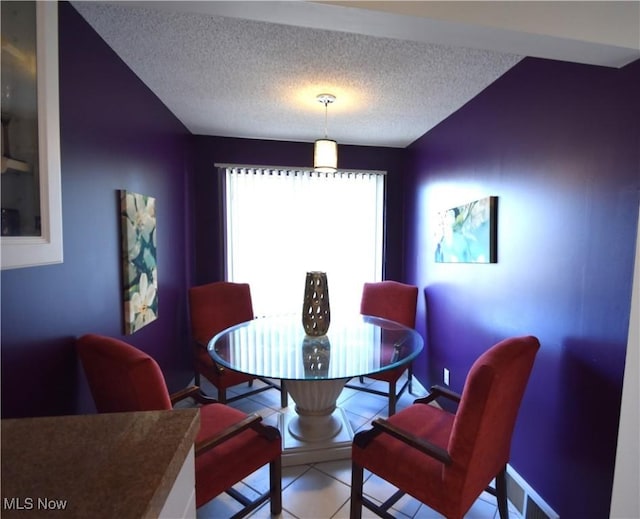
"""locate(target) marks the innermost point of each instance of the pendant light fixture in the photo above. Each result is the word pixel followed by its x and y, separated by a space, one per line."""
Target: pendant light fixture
pixel 325 151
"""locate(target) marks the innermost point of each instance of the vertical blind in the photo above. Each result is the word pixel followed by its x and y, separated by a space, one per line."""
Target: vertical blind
pixel 282 223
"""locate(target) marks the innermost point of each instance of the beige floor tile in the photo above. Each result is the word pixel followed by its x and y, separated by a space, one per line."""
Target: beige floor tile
pixel 315 496
pixel 340 470
pixel 365 405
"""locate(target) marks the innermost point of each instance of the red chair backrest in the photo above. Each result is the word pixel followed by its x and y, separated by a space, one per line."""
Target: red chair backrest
pixel 480 439
pixel 121 378
pixel 390 300
pixel 217 306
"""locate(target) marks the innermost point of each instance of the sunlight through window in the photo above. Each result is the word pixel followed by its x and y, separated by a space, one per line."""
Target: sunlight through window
pixel 281 224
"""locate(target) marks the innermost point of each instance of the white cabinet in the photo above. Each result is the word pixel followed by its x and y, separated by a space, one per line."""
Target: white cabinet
pixel 181 501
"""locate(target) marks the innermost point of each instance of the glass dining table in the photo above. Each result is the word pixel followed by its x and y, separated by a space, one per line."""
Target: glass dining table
pixel 314 371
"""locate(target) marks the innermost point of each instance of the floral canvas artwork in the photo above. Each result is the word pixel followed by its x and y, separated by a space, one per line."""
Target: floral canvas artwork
pixel 467 233
pixel 139 268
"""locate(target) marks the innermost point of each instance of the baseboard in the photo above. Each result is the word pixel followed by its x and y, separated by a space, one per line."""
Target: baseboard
pixel 525 499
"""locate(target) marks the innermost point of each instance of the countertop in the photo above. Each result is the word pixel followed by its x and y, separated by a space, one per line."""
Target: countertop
pixel 120 465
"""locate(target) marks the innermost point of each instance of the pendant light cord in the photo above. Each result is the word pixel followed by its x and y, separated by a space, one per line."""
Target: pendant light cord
pixel 326 100
pixel 326 104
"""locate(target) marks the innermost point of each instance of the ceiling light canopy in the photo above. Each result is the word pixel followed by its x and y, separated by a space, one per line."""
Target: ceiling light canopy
pixel 325 151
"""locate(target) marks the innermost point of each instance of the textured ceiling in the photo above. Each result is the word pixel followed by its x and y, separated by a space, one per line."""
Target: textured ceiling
pixel 223 70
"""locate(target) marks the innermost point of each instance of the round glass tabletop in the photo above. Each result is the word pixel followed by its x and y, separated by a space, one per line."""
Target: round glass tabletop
pixel 277 347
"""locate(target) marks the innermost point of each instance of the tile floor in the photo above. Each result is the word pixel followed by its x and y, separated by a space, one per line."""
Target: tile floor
pixel 322 490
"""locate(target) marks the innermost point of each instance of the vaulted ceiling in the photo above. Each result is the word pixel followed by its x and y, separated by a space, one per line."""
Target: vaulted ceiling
pixel 397 69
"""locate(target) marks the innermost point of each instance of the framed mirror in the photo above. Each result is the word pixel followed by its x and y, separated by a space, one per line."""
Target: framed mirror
pixel 31 232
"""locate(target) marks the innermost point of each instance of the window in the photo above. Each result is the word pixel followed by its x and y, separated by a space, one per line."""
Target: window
pixel 281 224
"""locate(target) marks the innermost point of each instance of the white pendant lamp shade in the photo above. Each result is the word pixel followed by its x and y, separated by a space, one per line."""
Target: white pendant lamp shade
pixel 325 156
pixel 325 151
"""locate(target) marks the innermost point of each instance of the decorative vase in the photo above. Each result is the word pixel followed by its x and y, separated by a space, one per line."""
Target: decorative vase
pixel 316 314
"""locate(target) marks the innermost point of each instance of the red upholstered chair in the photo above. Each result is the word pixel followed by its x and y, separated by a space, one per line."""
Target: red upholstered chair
pixel 447 460
pixel 214 307
pixel 230 444
pixel 397 302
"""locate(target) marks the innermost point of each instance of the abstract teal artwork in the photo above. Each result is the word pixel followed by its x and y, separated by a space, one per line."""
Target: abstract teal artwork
pixel 467 233
pixel 139 267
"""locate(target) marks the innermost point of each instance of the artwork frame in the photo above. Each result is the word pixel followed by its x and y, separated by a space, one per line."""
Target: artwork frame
pixel 468 233
pixel 139 260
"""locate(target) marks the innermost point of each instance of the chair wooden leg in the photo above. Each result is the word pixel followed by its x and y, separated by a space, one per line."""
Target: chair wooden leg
pixel 250 383
pixel 361 380
pixel 392 398
pixel 275 486
pixel 284 397
pixel 222 396
pixel 356 491
pixel 196 379
pixel 501 493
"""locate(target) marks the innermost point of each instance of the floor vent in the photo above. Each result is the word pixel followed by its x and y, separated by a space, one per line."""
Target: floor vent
pixel 525 499
pixel 534 511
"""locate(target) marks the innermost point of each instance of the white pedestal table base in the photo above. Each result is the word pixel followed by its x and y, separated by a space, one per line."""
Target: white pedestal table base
pixel 317 430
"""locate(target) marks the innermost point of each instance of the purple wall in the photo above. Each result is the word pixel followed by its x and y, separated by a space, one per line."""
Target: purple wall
pixel 558 143
pixel 115 134
pixel 224 150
